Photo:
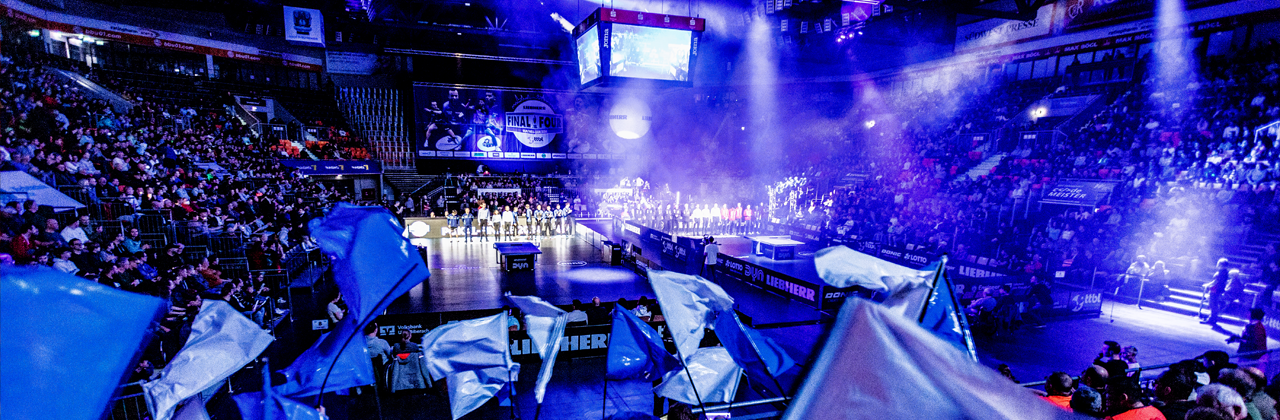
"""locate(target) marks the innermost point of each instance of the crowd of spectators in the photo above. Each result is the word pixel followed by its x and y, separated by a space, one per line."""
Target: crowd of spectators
pixel 1209 386
pixel 146 184
pixel 1189 179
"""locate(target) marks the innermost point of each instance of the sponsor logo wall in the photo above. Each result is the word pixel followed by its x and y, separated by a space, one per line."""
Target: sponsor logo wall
pixel 334 167
pixel 583 341
pixel 499 124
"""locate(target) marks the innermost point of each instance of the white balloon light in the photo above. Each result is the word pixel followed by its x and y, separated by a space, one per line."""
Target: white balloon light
pixel 630 118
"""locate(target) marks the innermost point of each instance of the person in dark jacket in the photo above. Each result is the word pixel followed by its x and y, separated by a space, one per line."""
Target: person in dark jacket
pixel 408 367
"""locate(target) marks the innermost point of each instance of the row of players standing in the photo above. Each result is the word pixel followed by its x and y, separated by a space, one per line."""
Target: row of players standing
pixel 527 220
pixel 698 219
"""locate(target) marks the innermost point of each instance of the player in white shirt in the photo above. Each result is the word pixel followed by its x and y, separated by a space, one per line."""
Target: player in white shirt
pixel 508 222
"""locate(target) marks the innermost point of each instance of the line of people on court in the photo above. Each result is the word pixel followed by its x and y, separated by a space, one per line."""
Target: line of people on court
pixel 506 222
pixel 700 219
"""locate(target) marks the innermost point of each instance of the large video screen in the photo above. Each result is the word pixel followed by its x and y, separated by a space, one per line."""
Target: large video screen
pixel 649 53
pixel 589 55
pixel 493 123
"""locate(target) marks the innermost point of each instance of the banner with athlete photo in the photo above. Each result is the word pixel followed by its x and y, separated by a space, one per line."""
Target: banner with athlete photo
pixel 517 124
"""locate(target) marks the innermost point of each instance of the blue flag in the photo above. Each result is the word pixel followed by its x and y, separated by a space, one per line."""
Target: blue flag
pixel 749 348
pixel 636 350
pixel 942 314
pixel 67 344
pixel 372 265
pixel 269 405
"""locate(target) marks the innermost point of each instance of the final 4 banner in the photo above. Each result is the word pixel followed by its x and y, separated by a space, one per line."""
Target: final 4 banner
pixel 478 123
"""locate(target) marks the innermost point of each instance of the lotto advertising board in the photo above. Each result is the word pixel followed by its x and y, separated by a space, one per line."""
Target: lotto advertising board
pixel 497 124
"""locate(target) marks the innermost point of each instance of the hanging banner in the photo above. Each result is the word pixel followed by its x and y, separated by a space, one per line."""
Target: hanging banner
pixel 303 25
pixel 1078 193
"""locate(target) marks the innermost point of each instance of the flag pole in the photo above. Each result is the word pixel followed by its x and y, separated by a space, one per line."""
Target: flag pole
pixel 266 385
pixel 688 374
pixel 604 396
pixel 781 392
pixel 933 288
pixel 511 383
pixel 325 382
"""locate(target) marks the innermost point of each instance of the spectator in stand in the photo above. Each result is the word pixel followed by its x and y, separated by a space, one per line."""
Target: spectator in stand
pixel 1173 393
pixel 75 229
pixel 22 245
pixel 1221 397
pixel 1265 404
pixel 1243 384
pixel 50 237
pixel 577 317
pixel 1125 400
pixel 334 309
pixel 1087 399
pixel 597 314
pixel 1111 358
pixel 1058 388
pixel 62 261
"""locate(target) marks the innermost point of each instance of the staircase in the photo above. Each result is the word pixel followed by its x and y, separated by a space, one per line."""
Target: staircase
pixel 984 168
pixel 1186 294
pixel 93 90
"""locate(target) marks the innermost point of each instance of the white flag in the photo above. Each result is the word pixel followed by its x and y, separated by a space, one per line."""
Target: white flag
pixel 474 357
pixel 545 325
pixel 715 375
pixel 222 341
pixel 878 365
pixel 906 288
pixel 191 409
pixel 689 304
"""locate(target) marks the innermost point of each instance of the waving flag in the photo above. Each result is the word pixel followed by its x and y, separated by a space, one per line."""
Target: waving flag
pixel 842 267
pixel 67 343
pixel 924 295
pixel 269 405
pixel 904 371
pixel 689 304
pixel 545 325
pixel 749 348
pixel 942 313
pixel 636 350
pixel 473 356
pixel 222 341
pixel 715 376
pixel 372 265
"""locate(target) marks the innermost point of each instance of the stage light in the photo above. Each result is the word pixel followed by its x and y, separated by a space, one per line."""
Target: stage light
pixel 34 33
pixel 869 123
pixel 1039 112
pixel 630 118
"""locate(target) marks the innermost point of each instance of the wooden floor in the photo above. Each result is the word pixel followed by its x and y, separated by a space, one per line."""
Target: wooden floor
pixel 467 276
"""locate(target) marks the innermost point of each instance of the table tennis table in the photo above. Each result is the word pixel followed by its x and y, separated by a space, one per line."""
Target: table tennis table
pixel 517 256
pixel 778 248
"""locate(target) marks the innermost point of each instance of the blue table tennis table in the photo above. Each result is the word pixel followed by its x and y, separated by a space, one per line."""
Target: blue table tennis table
pixel 517 256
